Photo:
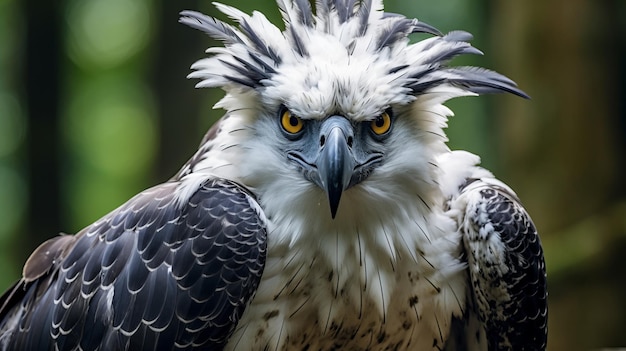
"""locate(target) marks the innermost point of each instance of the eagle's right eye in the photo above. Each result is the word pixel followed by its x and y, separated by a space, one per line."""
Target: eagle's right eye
pixel 291 124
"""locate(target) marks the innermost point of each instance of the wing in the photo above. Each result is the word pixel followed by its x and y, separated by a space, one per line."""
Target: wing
pixel 506 267
pixel 151 275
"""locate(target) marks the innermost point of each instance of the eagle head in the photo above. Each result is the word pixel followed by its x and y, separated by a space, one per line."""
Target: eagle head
pixel 339 102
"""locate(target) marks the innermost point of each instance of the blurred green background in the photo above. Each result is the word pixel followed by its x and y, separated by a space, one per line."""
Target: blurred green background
pixel 94 107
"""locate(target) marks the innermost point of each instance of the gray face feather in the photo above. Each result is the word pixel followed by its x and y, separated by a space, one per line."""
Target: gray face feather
pixel 345 154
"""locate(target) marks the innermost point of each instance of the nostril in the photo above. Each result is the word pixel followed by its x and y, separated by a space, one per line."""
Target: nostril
pixel 322 141
pixel 350 141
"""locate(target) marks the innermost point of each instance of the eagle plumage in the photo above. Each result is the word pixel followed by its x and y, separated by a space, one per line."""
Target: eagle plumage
pixel 421 249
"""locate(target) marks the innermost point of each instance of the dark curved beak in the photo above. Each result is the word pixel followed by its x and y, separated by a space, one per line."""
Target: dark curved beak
pixel 335 162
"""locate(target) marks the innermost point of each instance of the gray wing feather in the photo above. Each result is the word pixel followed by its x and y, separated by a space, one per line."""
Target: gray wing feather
pixel 506 268
pixel 151 275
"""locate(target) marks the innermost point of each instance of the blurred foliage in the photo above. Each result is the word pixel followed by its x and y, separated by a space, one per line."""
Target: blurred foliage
pixel 13 189
pixel 108 119
pixel 95 106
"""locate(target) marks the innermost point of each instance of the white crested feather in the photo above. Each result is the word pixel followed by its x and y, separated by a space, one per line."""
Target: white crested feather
pixel 234 13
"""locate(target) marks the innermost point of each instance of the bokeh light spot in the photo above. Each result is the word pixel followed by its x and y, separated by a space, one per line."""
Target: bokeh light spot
pixel 106 33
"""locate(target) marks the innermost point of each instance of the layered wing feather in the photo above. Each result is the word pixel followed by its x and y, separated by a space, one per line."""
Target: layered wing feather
pixel 506 267
pixel 151 275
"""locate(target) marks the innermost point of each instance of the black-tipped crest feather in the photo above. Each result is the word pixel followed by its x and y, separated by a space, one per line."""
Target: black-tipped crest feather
pixel 300 46
pixel 421 27
pixel 305 12
pixel 322 8
pixel 443 57
pixel 215 28
pixel 400 28
pixel 363 15
pixel 458 35
pixel 483 81
pixel 260 45
pixel 345 9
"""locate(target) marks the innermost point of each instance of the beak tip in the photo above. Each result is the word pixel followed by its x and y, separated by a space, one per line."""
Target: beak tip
pixel 333 212
pixel 333 199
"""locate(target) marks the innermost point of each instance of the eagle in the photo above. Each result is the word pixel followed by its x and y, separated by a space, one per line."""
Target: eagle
pixel 323 211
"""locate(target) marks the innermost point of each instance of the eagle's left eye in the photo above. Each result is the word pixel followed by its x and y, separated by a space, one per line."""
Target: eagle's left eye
pixel 290 123
pixel 381 124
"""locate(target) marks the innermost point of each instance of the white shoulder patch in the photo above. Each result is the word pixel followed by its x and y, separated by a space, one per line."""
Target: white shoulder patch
pixel 456 167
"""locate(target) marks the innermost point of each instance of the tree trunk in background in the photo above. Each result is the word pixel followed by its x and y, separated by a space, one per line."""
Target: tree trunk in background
pixel 561 154
pixel 186 114
pixel 176 48
pixel 565 138
pixel 42 85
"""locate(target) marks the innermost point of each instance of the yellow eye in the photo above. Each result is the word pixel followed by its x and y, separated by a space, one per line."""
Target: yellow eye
pixel 381 124
pixel 291 124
